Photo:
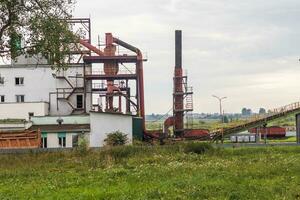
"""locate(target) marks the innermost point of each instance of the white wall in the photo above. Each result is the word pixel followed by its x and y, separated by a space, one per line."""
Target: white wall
pixel 52 140
pixel 40 85
pixel 21 110
pixel 103 123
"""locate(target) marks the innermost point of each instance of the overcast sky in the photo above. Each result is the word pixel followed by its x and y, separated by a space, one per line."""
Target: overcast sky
pixel 247 50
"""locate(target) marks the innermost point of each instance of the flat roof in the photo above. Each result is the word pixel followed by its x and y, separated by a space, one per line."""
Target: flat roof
pixel 112 113
pixel 61 128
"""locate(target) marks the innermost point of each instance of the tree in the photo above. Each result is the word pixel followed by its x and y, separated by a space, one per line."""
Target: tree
pixel 249 111
pixel 244 111
pixel 226 120
pixel 36 27
pixel 262 111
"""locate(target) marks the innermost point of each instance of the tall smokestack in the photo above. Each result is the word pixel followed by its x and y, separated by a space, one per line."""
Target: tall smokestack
pixel 178 49
pixel 178 108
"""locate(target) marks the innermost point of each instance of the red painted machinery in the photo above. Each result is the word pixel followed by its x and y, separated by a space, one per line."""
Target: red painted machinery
pixel 116 83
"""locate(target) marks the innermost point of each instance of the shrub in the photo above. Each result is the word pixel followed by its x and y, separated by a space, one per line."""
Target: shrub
pixel 116 138
pixel 83 146
pixel 197 147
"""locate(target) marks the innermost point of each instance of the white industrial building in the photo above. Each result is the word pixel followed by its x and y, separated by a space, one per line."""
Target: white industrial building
pixel 55 102
pixel 30 89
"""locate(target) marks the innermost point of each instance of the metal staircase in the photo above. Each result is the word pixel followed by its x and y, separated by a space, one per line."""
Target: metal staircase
pixel 64 94
pixel 188 104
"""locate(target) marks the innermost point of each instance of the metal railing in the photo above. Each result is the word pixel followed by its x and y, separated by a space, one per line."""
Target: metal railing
pixel 101 72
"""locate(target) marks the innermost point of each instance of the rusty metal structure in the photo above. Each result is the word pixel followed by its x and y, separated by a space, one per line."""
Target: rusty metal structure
pixel 182 94
pixel 20 140
pixel 106 75
pixel 182 97
pixel 114 83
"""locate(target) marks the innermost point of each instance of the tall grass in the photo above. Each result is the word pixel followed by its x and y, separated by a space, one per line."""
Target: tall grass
pixel 179 171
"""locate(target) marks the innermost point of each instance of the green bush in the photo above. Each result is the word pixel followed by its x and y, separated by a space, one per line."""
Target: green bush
pixel 197 147
pixel 116 138
pixel 83 146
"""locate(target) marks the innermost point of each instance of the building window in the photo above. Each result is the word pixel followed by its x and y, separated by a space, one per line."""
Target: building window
pixel 19 80
pixel 1 80
pixel 79 101
pixel 44 140
pixel 2 98
pixel 62 140
pixel 75 140
pixel 30 114
pixel 20 98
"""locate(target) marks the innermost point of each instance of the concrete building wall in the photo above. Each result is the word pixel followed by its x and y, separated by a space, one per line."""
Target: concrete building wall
pixel 22 110
pixel 40 85
pixel 52 140
pixel 103 123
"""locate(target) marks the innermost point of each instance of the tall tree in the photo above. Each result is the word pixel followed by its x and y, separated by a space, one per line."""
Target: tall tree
pixel 36 27
pixel 262 111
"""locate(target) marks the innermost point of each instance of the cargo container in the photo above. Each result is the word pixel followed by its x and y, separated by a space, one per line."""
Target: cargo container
pixel 271 132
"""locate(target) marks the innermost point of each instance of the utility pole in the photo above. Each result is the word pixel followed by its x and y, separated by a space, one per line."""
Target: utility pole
pixel 220 103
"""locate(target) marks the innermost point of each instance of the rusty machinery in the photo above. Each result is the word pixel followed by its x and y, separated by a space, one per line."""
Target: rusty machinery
pixel 111 62
pixel 116 84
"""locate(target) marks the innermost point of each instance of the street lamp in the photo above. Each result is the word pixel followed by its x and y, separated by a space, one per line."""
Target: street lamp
pixel 220 102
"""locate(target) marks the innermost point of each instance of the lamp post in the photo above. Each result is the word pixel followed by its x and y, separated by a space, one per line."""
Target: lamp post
pixel 220 102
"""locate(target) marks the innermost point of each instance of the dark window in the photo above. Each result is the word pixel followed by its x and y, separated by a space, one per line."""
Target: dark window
pixel 62 140
pixel 74 140
pixel 31 114
pixel 79 101
pixel 2 99
pixel 20 98
pixel 19 80
pixel 44 142
pixel 1 80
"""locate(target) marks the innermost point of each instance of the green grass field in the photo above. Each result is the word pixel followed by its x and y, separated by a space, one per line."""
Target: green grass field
pixel 153 172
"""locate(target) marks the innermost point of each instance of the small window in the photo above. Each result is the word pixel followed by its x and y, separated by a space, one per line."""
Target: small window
pixel 62 140
pixel 79 101
pixel 44 143
pixel 19 80
pixel 75 140
pixel 20 98
pixel 1 80
pixel 44 140
pixel 2 98
pixel 31 114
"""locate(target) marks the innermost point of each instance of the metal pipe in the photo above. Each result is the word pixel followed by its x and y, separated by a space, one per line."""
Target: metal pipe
pixel 140 72
pixel 91 47
pixel 127 46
